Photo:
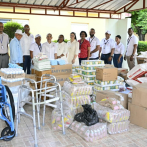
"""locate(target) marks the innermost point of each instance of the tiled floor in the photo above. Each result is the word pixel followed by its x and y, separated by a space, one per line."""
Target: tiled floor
pixel 136 137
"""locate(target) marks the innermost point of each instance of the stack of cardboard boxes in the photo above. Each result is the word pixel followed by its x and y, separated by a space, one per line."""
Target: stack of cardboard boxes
pixel 138 106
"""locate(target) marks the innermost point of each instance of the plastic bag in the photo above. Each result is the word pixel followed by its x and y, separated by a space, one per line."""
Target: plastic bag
pixel 76 90
pixel 89 116
pixel 119 127
pixel 110 115
pixel 90 133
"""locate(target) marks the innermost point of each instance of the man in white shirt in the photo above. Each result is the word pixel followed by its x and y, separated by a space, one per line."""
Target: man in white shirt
pixel 131 51
pixel 26 42
pixel 36 47
pixel 118 52
pixel 4 40
pixel 49 48
pixel 95 45
pixel 107 48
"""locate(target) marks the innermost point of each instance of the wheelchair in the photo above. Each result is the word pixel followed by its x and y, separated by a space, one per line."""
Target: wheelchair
pixel 7 112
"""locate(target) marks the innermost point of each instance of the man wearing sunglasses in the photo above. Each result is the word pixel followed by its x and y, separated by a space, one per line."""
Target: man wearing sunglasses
pixel 26 42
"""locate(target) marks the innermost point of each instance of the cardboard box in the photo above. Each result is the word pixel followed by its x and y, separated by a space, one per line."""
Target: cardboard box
pixel 109 65
pixel 9 84
pixel 106 73
pixel 40 73
pixel 122 71
pixel 105 94
pixel 12 76
pixel 140 60
pixel 57 70
pixel 139 95
pixel 138 115
pixel 62 78
pixel 31 76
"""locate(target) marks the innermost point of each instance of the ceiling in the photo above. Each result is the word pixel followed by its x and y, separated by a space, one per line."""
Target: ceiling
pixel 85 6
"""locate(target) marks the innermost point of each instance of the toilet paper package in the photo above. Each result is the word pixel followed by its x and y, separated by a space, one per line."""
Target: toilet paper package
pixel 76 90
pixel 109 115
pixel 119 127
pixel 90 133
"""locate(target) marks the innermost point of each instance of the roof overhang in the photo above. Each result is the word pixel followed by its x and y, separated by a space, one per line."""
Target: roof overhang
pixel 110 9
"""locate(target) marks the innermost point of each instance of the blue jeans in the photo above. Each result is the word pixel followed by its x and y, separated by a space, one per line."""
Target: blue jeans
pixel 115 62
pixel 80 60
pixel 27 64
pixel 105 57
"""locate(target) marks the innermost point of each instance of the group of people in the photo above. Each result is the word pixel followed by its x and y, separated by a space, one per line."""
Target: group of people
pixel 23 47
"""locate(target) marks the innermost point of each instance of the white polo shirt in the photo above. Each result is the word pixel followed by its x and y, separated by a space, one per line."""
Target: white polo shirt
pixel 130 45
pixel 119 49
pixel 26 42
pixel 35 48
pixel 107 45
pixel 50 49
pixel 4 40
pixel 94 41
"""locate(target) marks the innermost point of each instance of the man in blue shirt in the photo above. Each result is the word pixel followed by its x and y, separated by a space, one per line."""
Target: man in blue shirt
pixel 16 56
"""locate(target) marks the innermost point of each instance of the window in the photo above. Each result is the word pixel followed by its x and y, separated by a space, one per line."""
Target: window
pixel 4 20
pixel 20 21
pixel 77 28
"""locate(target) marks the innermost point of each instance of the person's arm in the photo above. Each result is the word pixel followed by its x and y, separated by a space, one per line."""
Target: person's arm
pixel 100 52
pixel 112 51
pixel 55 55
pixel 76 52
pixel 64 51
pixel 96 49
pixel 55 52
pixel 134 51
pixel 13 52
pixel 122 52
pixel 88 53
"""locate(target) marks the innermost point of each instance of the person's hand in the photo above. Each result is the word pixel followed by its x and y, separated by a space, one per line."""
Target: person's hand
pixel 23 58
pixel 17 64
pixel 87 58
pixel 109 59
pixel 99 57
pixel 90 54
pixel 131 58
pixel 125 58
pixel 118 60
pixel 32 62
pixel 73 61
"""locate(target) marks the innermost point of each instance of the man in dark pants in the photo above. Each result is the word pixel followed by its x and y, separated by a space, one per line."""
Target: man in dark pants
pixel 107 48
pixel 4 40
pixel 26 42
pixel 95 45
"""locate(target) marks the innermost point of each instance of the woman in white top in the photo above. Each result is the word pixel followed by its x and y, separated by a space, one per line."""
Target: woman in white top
pixel 61 48
pixel 118 52
pixel 73 50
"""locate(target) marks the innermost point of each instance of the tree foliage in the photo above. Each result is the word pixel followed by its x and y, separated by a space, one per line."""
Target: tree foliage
pixel 11 27
pixel 139 23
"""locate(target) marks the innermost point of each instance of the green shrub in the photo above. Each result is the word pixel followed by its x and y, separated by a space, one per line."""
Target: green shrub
pixel 65 40
pixel 11 27
pixel 142 46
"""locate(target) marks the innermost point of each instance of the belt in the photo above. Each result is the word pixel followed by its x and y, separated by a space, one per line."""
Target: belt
pixel 3 54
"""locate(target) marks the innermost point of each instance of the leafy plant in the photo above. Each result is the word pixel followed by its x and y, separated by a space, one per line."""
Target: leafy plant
pixel 142 46
pixel 139 23
pixel 65 40
pixel 11 27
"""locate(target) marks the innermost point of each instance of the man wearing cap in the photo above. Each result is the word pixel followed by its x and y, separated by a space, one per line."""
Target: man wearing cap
pixel 26 42
pixel 4 40
pixel 95 45
pixel 49 48
pixel 16 56
pixel 131 51
pixel 107 48
pixel 36 47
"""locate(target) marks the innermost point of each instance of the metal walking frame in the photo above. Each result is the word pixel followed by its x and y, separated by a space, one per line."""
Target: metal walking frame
pixel 36 101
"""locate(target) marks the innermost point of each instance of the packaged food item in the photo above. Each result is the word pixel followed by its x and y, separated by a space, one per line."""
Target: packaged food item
pixel 89 78
pixel 90 133
pixel 99 88
pixel 119 127
pixel 90 83
pixel 76 90
pixel 92 62
pixel 57 119
pixel 76 101
pixel 103 83
pixel 110 115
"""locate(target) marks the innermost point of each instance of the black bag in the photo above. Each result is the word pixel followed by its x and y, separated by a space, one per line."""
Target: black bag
pixel 89 116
